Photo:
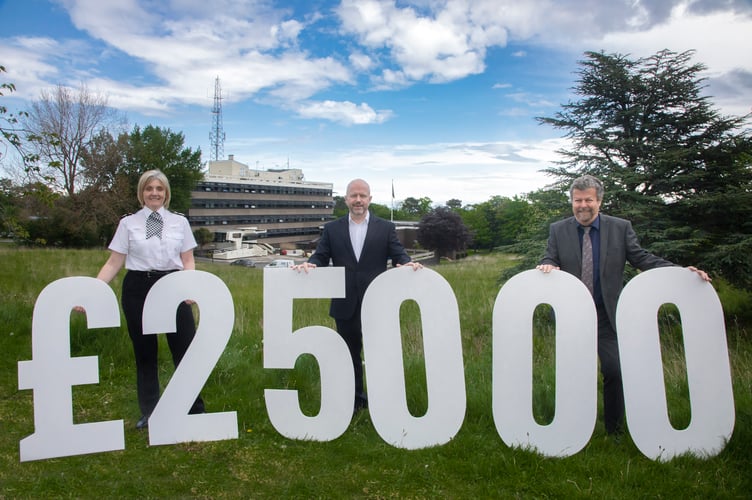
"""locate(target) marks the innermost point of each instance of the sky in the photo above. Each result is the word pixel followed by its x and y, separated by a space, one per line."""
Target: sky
pixel 437 98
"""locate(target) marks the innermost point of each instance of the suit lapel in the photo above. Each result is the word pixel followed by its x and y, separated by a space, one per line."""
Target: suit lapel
pixel 604 228
pixel 572 242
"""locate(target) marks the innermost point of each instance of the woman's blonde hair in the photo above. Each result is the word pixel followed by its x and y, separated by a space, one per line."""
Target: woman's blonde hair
pixel 149 176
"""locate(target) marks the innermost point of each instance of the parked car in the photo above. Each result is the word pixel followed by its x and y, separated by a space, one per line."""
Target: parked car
pixel 281 263
pixel 243 262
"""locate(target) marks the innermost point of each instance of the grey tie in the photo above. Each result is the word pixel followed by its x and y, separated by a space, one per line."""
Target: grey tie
pixel 154 225
pixel 587 259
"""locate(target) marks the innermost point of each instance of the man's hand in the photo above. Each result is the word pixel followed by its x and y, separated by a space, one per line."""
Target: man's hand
pixel 414 265
pixel 305 266
pixel 546 268
pixel 702 274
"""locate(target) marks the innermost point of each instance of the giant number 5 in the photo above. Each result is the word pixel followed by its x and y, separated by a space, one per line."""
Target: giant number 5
pixel 282 347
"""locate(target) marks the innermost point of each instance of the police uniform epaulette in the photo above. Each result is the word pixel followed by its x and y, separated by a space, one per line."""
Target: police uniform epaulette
pixel 178 213
pixel 125 215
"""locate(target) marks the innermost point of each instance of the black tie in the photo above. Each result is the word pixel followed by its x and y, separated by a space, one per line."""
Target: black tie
pixel 154 226
pixel 587 259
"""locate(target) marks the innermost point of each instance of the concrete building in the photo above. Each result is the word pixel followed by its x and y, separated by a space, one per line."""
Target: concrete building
pixel 287 210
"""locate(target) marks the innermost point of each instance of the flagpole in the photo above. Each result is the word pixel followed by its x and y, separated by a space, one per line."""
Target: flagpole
pixel 391 212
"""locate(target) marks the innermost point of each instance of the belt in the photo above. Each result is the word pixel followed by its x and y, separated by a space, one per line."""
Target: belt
pixel 152 274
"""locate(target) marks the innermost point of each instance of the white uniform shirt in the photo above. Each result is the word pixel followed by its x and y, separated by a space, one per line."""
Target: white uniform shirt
pixel 358 234
pixel 153 254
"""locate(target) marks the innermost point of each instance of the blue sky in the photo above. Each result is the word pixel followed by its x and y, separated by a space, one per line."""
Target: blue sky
pixel 439 97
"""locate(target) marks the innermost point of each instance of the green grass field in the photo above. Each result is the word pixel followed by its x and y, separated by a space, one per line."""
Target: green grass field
pixel 263 464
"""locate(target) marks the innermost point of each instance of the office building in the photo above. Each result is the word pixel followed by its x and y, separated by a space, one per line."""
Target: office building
pixel 286 210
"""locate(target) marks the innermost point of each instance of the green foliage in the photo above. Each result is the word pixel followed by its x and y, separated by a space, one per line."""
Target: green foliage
pixel 158 148
pixel 359 464
pixel 414 208
pixel 110 169
pixel 203 236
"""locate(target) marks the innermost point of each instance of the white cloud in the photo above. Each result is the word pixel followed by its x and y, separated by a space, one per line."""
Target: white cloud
pixel 347 113
pixel 472 172
pixel 446 45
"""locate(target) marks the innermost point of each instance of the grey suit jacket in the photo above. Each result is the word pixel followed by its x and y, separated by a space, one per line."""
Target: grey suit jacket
pixel 619 245
pixel 380 245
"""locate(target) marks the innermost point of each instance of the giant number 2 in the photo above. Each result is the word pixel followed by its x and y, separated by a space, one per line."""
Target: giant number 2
pixel 52 372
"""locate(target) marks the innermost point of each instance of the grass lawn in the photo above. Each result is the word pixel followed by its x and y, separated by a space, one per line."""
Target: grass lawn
pixel 261 463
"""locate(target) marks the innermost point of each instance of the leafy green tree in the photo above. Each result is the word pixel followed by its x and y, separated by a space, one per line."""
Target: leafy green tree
pixel 669 161
pixel 479 228
pixel 158 148
pixel 415 208
pixel 203 236
pixel 443 231
pixel 454 204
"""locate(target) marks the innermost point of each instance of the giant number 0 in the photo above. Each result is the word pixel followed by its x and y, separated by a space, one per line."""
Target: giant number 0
pixel 52 372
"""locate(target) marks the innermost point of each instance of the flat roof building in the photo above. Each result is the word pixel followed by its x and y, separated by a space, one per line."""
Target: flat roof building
pixel 286 209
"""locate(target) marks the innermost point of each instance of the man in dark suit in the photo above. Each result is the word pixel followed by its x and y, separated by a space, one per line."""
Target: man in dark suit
pixel 613 243
pixel 361 243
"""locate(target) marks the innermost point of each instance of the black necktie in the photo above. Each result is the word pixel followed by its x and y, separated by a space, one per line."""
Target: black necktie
pixel 154 225
pixel 587 259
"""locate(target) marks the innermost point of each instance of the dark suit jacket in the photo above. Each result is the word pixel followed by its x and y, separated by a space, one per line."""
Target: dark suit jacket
pixel 618 245
pixel 380 245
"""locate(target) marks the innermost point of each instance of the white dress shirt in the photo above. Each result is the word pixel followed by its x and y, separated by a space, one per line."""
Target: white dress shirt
pixel 153 254
pixel 358 234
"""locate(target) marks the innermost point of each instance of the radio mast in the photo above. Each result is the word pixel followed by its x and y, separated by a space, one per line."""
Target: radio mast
pixel 217 134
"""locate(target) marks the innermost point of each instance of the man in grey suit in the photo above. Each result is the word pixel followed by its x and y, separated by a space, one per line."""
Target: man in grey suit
pixel 361 243
pixel 613 242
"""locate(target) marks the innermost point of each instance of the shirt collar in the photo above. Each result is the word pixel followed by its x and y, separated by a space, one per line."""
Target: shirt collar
pixel 148 211
pixel 596 223
pixel 368 217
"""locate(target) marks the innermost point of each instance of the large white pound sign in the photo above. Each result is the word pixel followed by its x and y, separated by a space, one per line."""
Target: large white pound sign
pixel 170 422
pixel 52 372
pixel 576 363
pixel 442 345
pixel 708 371
pixel 282 347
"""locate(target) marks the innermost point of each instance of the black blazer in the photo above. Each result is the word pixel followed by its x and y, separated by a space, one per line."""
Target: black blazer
pixel 381 244
pixel 618 245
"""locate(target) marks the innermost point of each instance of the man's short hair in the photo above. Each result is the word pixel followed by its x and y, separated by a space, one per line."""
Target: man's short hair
pixel 586 182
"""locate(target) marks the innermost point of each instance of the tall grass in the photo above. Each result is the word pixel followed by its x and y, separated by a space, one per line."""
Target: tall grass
pixel 263 464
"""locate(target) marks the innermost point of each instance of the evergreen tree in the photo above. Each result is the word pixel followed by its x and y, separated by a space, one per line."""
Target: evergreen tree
pixel 671 163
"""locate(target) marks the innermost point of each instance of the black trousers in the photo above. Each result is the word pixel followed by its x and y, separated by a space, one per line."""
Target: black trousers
pixel 613 388
pixel 351 331
pixel 135 287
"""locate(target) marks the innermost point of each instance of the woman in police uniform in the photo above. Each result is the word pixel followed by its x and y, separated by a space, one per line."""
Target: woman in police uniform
pixel 152 243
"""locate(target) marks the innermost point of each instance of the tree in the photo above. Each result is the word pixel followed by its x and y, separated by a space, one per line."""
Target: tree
pixel 61 125
pixel 443 231
pixel 414 209
pixel 670 162
pixel 454 204
pixel 203 236
pixel 11 131
pixel 158 148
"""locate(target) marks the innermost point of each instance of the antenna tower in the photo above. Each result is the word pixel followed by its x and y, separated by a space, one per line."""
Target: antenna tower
pixel 217 134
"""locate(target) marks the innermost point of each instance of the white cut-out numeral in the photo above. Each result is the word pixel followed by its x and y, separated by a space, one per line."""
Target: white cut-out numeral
pixel 170 422
pixel 576 363
pixel 283 346
pixel 711 394
pixel 442 346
